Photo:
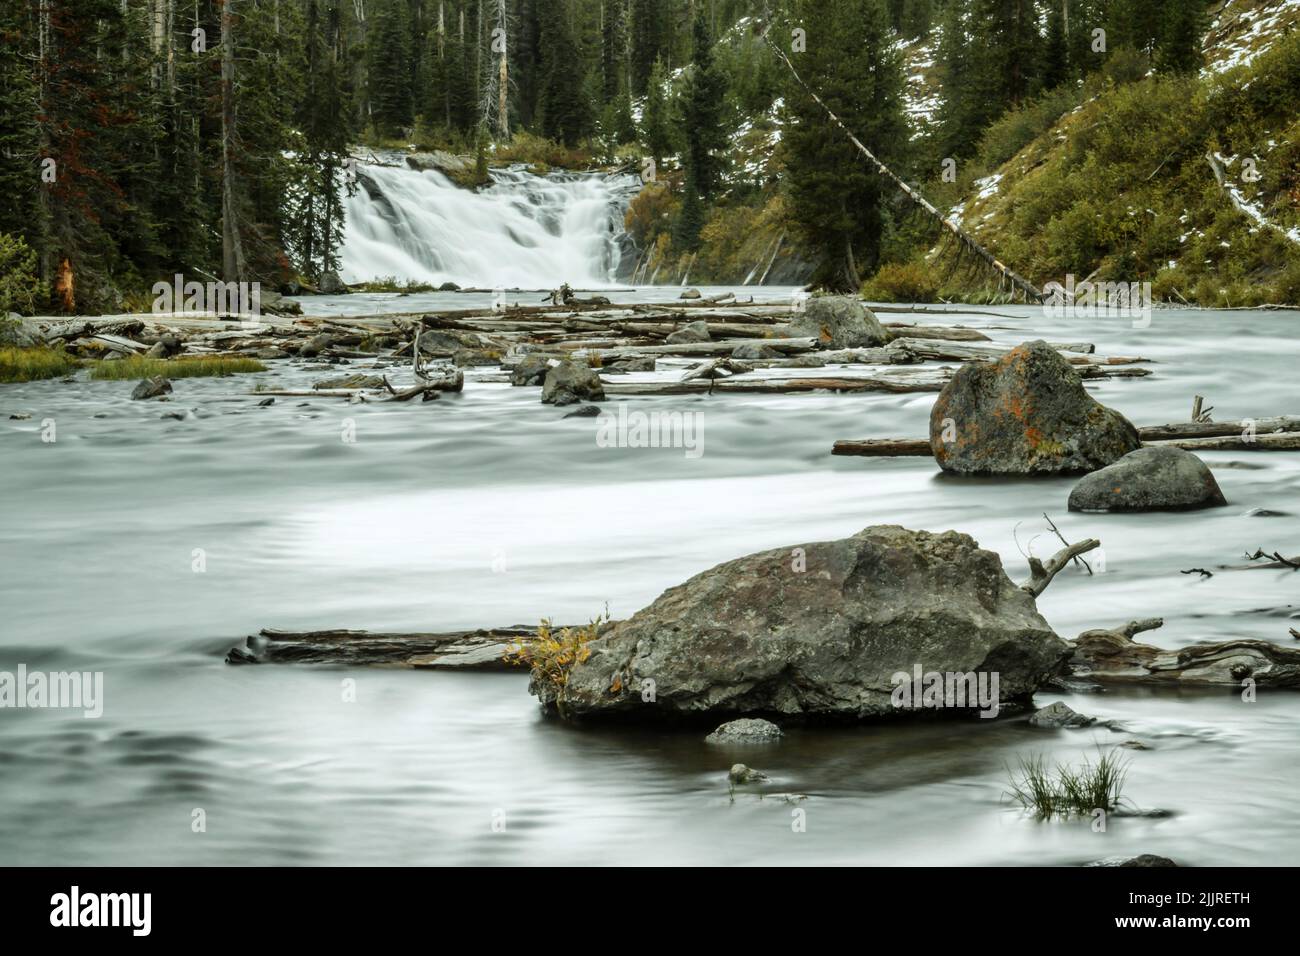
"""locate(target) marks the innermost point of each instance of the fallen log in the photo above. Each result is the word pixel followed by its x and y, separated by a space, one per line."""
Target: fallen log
pixel 1112 655
pixel 482 649
pixel 777 386
pixel 725 347
pixel 1190 436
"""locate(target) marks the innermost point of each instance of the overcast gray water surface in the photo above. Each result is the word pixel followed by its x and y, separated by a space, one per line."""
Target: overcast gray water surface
pixel 488 508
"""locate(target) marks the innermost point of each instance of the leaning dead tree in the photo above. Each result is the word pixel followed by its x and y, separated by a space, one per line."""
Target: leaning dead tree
pixel 965 239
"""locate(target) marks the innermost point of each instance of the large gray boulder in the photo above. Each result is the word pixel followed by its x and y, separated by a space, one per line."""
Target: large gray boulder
pixel 816 631
pixel 1027 413
pixel 570 383
pixel 839 322
pixel 1149 479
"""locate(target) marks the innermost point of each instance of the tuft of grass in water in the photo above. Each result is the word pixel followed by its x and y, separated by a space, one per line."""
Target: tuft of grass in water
pixel 1065 791
pixel 139 366
pixel 29 365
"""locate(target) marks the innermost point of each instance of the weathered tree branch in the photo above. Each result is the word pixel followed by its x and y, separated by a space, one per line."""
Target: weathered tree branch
pixel 1041 574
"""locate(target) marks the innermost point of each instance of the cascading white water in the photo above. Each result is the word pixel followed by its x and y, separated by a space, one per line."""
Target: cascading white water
pixel 523 231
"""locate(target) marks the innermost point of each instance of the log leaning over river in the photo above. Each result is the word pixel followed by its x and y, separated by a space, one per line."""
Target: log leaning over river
pixel 1278 433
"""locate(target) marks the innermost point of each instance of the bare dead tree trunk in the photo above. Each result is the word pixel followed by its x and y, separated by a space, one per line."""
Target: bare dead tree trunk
pixel 232 250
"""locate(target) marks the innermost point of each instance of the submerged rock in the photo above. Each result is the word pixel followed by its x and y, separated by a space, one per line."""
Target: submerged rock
pixel 570 383
pixel 1060 715
pixel 690 294
pixel 697 331
pixel 1149 479
pixel 1027 413
pixel 151 388
pixel 820 630
pixel 839 322
pixel 739 773
pixel 584 411
pixel 747 730
pixel 1146 859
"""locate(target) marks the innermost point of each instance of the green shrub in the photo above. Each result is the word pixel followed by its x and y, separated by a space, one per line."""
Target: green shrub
pixel 902 282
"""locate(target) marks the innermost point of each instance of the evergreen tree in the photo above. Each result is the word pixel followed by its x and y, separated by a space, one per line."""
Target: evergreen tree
pixel 656 123
pixel 1179 47
pixel 392 105
pixel 566 112
pixel 836 201
pixel 702 103
pixel 1056 51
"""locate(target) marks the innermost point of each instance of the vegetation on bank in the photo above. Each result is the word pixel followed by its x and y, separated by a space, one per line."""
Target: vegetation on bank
pixel 32 364
pixel 186 366
pixel 1066 791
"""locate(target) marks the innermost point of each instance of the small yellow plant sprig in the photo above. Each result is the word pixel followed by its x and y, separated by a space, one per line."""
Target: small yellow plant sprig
pixel 552 653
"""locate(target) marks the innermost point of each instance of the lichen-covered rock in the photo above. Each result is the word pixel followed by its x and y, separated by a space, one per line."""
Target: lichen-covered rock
pixel 1149 479
pixel 747 730
pixel 570 383
pixel 817 631
pixel 1027 413
pixel 839 322
pixel 1060 715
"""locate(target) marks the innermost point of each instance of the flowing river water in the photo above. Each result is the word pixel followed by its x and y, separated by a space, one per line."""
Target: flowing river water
pixel 489 508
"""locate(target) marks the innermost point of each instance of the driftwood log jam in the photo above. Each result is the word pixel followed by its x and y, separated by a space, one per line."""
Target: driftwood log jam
pixel 1112 655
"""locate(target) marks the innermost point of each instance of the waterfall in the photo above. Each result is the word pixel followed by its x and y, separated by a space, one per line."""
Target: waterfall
pixel 522 231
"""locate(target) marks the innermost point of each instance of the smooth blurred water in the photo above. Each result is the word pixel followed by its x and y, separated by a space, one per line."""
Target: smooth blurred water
pixel 489 508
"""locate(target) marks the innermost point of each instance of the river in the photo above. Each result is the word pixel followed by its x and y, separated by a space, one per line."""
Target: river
pixel 488 508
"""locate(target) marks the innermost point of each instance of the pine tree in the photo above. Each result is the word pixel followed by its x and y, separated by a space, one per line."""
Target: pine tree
pixel 1056 53
pixel 836 202
pixel 1179 47
pixel 702 103
pixel 392 105
pixel 656 122
pixel 566 112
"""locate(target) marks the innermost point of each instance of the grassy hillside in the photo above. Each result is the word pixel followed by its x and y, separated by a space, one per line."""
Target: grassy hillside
pixel 1117 180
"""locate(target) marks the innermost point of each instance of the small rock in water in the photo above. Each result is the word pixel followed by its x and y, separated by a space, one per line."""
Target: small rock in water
pixel 331 284
pixel 1149 479
pixel 265 402
pixel 584 411
pixel 1146 859
pixel 271 353
pixel 742 774
pixel 644 364
pixel 531 371
pixel 570 383
pixel 697 331
pixel 174 416
pixel 748 730
pixel 690 294
pixel 358 380
pixel 151 388
pixel 754 351
pixel 1134 745
pixel 1266 513
pixel 1059 715
pixel 20 416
